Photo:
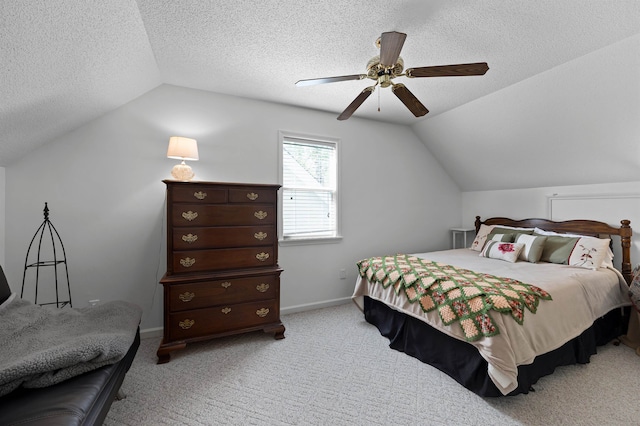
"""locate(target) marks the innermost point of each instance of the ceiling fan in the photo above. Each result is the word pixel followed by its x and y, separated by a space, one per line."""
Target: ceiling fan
pixel 389 65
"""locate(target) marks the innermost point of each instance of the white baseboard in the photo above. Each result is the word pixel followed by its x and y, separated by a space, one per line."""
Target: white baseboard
pixel 158 331
pixel 151 332
pixel 315 305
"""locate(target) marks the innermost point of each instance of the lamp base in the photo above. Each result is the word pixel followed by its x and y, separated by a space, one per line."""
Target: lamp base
pixel 182 172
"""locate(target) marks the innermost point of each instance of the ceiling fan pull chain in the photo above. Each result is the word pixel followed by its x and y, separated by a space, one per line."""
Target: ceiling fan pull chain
pixel 378 100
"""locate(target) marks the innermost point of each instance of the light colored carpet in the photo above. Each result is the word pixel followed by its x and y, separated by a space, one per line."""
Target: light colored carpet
pixel 333 368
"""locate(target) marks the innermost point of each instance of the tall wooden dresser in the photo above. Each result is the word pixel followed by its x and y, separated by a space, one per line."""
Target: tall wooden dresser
pixel 222 273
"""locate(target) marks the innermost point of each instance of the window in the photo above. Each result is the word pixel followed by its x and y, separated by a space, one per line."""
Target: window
pixel 309 195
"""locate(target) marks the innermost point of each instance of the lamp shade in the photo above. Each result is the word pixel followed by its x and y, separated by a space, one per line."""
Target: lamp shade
pixel 182 148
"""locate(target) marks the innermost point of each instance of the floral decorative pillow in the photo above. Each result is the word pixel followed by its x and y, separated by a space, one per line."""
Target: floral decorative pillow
pixel 481 237
pixel 589 252
pixel 502 251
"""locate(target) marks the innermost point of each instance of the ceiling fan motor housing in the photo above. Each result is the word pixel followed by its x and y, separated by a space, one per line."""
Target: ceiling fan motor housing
pixel 383 75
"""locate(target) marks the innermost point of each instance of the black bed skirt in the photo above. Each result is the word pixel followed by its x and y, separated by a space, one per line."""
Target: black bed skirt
pixel 462 361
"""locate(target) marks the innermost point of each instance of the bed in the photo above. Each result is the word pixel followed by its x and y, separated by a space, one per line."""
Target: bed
pixel 518 317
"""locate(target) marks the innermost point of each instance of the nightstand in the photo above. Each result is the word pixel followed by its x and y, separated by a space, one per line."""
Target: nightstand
pixel 462 232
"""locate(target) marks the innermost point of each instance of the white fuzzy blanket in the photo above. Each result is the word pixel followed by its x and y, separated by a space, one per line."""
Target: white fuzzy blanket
pixel 41 346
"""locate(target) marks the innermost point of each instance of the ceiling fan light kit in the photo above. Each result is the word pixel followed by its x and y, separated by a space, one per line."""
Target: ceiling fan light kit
pixel 389 65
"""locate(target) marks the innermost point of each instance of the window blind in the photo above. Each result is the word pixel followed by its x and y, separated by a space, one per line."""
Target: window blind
pixel 309 189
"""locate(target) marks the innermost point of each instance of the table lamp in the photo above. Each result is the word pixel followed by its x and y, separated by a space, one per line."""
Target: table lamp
pixel 183 149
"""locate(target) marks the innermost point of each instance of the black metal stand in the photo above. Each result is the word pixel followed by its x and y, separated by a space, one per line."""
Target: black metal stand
pixel 56 248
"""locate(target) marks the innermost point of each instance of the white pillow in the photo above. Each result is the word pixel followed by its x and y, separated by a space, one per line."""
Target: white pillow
pixel 543 232
pixel 607 262
pixel 516 228
pixel 502 251
pixel 606 259
pixel 481 237
pixel 590 253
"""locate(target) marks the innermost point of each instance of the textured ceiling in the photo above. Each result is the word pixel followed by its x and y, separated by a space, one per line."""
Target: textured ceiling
pixel 66 62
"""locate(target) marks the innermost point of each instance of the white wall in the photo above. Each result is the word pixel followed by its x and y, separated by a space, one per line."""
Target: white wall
pixel 577 123
pixel 534 202
pixel 103 185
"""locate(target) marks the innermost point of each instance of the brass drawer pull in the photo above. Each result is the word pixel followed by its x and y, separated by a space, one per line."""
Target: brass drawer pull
pixel 187 262
pixel 190 215
pixel 262 256
pixel 252 196
pixel 260 235
pixel 186 324
pixel 263 312
pixel 225 310
pixel 189 238
pixel 226 284
pixel 262 287
pixel 260 214
pixel 186 296
pixel 200 195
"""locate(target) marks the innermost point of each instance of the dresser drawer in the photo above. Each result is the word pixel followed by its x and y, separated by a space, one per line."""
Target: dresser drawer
pixel 252 195
pixel 218 259
pixel 222 292
pixel 222 215
pixel 239 236
pixel 198 194
pixel 202 322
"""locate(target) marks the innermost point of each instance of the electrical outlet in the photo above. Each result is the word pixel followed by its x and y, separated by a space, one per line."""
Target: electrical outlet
pixel 94 302
pixel 343 274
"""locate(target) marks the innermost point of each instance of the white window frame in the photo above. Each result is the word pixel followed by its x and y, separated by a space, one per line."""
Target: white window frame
pixel 311 139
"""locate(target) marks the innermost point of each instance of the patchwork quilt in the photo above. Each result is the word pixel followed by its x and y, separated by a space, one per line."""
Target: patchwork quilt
pixel 459 295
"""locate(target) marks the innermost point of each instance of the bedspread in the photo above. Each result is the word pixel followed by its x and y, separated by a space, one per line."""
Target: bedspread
pixel 580 296
pixel 42 346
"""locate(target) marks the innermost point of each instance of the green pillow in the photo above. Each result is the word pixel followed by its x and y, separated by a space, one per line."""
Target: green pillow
pixel 514 231
pixel 533 246
pixel 557 249
pixel 503 237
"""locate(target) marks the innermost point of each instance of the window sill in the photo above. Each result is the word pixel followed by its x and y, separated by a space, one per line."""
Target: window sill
pixel 309 241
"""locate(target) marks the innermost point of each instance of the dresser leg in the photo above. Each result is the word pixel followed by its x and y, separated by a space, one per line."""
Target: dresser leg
pixel 164 351
pixel 277 330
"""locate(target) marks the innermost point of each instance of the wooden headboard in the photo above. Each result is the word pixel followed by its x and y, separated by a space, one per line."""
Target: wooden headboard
pixel 582 227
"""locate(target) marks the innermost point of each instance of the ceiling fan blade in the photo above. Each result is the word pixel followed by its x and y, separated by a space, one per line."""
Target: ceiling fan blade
pixel 409 100
pixel 478 68
pixel 353 106
pixel 312 81
pixel 390 47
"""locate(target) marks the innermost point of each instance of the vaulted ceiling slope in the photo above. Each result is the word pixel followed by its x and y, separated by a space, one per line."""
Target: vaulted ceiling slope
pixel 67 62
pixel 575 124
